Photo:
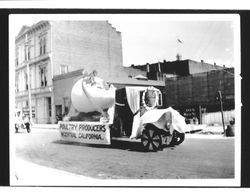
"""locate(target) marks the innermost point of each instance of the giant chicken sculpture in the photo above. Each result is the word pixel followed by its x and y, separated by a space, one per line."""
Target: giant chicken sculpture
pixel 92 94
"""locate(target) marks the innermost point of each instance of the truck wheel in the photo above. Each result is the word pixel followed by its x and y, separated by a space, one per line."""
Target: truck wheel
pixel 178 138
pixel 167 140
pixel 151 138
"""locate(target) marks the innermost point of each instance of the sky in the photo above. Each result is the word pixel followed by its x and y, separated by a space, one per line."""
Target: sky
pixel 149 38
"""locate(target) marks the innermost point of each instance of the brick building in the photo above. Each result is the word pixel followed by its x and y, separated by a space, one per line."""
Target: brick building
pixel 166 69
pixel 195 95
pixel 57 47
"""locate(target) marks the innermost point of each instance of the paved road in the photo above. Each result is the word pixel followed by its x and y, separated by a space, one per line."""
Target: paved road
pixel 193 159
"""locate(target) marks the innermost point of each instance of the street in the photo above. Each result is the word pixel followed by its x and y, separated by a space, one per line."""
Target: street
pixel 195 158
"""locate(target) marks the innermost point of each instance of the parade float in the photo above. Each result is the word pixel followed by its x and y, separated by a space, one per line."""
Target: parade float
pixel 100 113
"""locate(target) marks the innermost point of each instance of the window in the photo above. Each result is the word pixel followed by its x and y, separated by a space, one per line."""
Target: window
pixel 17 56
pixel 43 76
pixel 66 104
pixel 63 69
pixel 25 56
pixel 26 80
pixel 28 53
pixel 17 82
pixel 49 105
pixel 27 48
pixel 42 45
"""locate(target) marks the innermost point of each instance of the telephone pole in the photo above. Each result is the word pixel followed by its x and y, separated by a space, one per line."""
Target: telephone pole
pixel 221 109
pixel 27 45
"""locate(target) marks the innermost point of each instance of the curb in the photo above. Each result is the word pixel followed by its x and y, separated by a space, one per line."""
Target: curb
pixel 206 136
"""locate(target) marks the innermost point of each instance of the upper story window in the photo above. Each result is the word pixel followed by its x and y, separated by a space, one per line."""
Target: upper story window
pixel 17 56
pixel 28 53
pixel 26 80
pixel 24 51
pixel 17 82
pixel 43 76
pixel 42 45
pixel 63 69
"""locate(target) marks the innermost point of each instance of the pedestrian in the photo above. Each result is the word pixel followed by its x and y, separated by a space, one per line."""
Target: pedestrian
pixel 230 128
pixel 27 123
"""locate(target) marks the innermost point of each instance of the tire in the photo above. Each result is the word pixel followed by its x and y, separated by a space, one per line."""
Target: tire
pixel 167 140
pixel 151 138
pixel 178 138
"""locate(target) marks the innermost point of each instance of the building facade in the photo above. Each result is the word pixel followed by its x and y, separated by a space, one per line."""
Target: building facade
pixel 33 48
pixel 52 48
pixel 196 95
pixel 166 69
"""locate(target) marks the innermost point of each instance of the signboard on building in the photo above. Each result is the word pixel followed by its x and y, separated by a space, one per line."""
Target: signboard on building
pixel 85 132
pixel 191 113
pixel 26 111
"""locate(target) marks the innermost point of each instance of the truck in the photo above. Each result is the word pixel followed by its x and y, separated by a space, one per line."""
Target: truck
pixel 100 113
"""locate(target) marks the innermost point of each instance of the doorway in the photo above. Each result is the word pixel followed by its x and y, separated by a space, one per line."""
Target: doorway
pixel 58 113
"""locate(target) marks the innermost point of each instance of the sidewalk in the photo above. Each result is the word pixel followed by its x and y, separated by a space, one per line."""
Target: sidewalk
pixel 29 174
pixel 206 136
pixel 45 126
pixel 207 132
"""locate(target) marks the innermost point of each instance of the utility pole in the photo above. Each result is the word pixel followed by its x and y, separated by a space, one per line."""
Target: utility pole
pixel 221 108
pixel 28 74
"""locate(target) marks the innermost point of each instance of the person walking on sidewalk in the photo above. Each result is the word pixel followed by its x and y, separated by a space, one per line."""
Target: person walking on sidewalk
pixel 27 123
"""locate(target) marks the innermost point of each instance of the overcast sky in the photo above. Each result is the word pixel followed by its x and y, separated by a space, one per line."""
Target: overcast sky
pixel 153 38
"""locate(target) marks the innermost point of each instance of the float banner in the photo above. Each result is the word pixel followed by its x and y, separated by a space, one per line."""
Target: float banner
pixel 85 132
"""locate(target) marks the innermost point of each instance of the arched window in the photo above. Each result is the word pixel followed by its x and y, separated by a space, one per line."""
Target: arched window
pixel 43 76
pixel 42 44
